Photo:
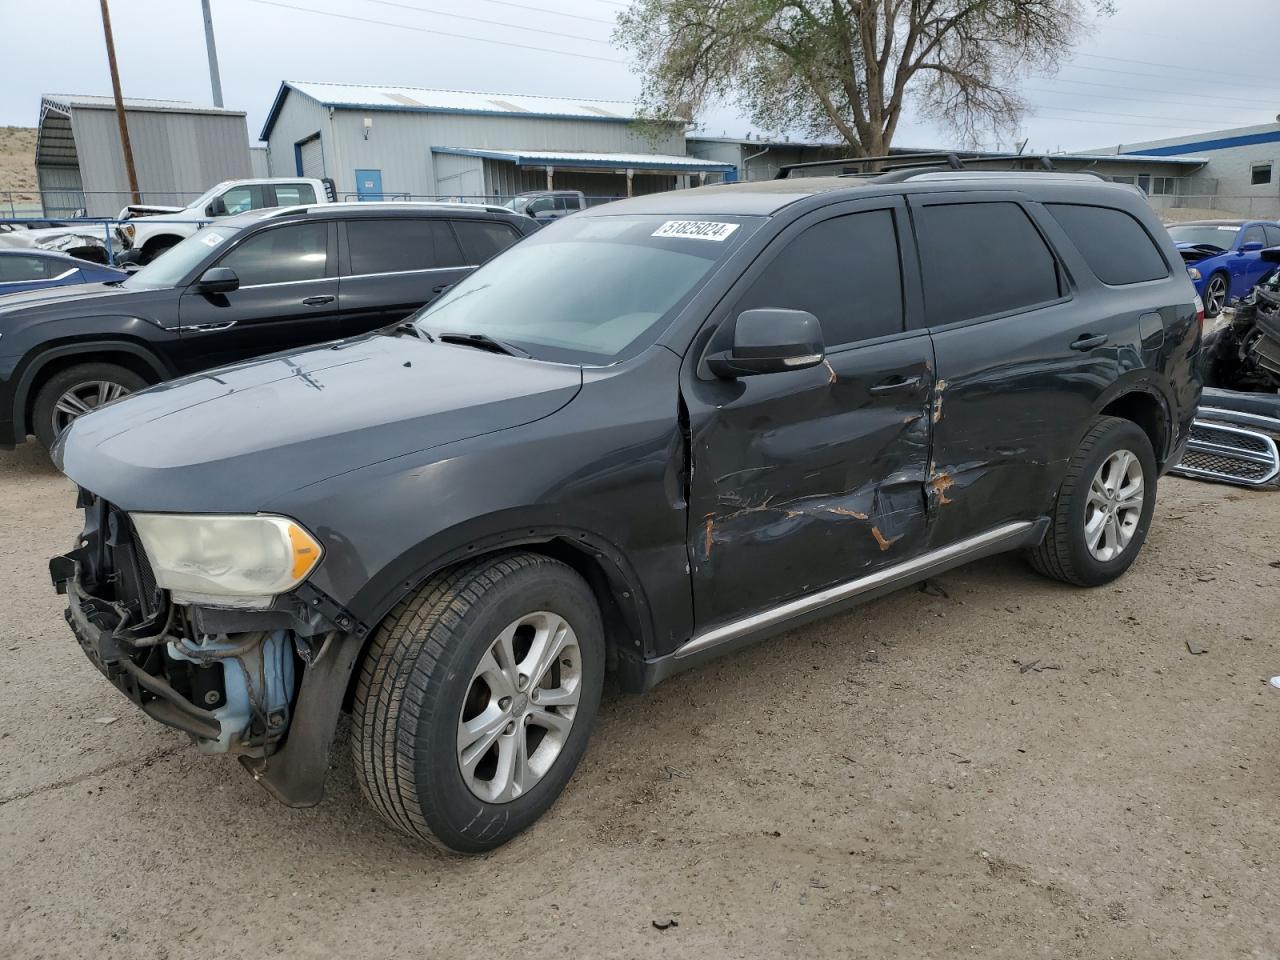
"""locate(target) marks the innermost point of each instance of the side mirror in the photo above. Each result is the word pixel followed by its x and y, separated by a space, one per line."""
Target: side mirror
pixel 218 280
pixel 1251 246
pixel 770 340
pixel 216 209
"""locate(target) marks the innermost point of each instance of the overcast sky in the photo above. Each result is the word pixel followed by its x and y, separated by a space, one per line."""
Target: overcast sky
pixel 1156 68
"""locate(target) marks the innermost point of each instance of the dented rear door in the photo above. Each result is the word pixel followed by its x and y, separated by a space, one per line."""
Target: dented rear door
pixel 807 478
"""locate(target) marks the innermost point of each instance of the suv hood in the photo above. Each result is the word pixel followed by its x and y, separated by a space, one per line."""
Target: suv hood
pixel 1195 252
pixel 235 438
pixel 74 300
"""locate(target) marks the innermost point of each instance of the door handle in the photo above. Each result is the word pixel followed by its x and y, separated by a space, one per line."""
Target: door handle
pixel 1088 341
pixel 317 301
pixel 895 385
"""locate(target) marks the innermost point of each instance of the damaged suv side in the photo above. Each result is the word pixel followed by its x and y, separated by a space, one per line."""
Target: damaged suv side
pixel 646 436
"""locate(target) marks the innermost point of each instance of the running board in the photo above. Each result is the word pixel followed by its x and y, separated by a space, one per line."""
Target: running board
pixel 996 540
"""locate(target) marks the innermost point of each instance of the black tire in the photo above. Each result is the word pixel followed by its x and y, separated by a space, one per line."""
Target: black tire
pixel 417 676
pixel 1217 281
pixel 46 423
pixel 1064 554
pixel 155 248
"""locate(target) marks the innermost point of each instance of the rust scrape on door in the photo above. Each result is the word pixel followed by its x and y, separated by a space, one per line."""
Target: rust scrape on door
pixel 938 388
pixel 940 484
pixel 884 542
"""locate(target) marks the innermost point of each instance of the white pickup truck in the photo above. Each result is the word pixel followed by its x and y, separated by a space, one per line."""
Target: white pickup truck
pixel 151 230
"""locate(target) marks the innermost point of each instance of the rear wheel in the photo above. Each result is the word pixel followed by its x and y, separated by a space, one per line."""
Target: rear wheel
pixel 476 700
pixel 1215 295
pixel 75 391
pixel 1104 507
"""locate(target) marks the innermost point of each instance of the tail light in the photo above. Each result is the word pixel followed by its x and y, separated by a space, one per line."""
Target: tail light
pixel 1200 313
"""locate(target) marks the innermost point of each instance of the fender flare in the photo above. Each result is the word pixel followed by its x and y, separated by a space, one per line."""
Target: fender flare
pixel 42 359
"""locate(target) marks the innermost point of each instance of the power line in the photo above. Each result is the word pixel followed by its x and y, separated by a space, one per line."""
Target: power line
pixel 555 13
pixel 435 33
pixel 1124 86
pixel 1119 123
pixel 490 23
pixel 1132 116
pixel 1163 66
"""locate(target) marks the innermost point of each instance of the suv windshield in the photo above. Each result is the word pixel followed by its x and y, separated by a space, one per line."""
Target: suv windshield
pixel 517 204
pixel 169 269
pixel 588 289
pixel 1214 234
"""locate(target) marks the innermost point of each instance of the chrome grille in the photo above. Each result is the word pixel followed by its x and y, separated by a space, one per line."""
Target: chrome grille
pixel 1230 453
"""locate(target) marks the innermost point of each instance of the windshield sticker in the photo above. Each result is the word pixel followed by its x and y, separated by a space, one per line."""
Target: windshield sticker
pixel 696 230
pixel 1229 229
pixel 212 239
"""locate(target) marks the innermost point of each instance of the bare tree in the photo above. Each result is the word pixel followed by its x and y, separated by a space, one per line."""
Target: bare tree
pixel 848 67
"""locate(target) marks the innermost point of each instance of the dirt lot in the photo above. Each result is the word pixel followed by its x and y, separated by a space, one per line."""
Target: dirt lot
pixel 17 158
pixel 884 784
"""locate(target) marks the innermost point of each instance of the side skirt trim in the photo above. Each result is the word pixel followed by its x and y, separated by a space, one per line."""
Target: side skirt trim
pixel 901 574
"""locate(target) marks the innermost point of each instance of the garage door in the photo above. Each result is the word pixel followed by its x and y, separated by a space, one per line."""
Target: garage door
pixel 311 158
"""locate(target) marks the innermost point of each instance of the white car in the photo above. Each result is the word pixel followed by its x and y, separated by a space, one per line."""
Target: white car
pixel 151 230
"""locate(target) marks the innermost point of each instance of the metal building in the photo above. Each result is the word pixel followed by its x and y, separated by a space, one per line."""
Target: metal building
pixel 1238 173
pixel 761 159
pixel 387 142
pixel 179 151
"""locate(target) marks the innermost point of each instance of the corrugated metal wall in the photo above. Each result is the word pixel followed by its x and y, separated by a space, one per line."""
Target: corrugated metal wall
pixel 177 155
pixel 260 162
pixel 505 179
pixel 399 143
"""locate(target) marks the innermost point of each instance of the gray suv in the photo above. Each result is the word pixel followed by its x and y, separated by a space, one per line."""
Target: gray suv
pixel 645 436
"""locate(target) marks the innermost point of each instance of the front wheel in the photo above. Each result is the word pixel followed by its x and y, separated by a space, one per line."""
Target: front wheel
pixel 1215 296
pixel 75 391
pixel 1103 510
pixel 476 699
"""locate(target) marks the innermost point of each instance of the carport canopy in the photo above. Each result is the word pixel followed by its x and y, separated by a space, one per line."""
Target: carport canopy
pixel 627 164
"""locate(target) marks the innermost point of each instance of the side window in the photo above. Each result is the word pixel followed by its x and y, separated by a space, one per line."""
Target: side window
pixel 281 255
pixel 483 240
pixel 242 198
pixel 294 194
pixel 26 269
pixel 541 205
pixel 1259 174
pixel 1252 234
pixel 845 271
pixel 1114 244
pixel 981 259
pixel 392 246
pixel 1272 234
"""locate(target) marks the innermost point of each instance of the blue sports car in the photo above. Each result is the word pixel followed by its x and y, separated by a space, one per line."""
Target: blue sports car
pixel 22 270
pixel 1222 257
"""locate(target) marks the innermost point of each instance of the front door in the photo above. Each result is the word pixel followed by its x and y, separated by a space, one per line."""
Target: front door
pixel 369 184
pixel 813 477
pixel 288 297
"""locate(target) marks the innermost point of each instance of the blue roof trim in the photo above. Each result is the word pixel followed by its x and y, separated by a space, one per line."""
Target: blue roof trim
pixel 1222 143
pixel 575 162
pixel 286 88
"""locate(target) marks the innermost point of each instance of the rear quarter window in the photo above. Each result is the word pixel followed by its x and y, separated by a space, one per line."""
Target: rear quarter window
pixel 1116 246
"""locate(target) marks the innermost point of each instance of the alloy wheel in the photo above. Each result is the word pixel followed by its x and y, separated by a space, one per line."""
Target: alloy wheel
pixel 519 707
pixel 1114 506
pixel 83 397
pixel 1215 296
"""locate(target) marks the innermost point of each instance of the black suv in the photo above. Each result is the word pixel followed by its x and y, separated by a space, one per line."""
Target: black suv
pixel 250 285
pixel 645 436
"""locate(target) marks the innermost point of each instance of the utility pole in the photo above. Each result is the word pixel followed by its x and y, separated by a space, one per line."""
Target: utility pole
pixel 215 81
pixel 120 118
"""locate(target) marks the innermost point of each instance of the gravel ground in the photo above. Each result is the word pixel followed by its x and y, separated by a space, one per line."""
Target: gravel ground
pixel 887 783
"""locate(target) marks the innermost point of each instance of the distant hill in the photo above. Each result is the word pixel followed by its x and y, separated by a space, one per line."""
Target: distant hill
pixel 17 158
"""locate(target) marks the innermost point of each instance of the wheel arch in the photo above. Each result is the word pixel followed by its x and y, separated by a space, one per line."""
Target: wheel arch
pixel 133 356
pixel 1143 403
pixel 613 581
pixel 165 240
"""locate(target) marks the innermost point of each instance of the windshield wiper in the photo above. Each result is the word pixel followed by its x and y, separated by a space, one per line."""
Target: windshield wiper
pixel 482 341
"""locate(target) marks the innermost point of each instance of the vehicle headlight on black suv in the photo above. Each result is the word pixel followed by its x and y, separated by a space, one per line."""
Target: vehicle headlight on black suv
pixel 226 560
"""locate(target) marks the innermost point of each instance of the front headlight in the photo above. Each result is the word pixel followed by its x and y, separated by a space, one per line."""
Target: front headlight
pixel 232 560
pixel 1193 273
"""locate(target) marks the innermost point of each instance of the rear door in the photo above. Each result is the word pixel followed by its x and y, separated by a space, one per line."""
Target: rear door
pixel 288 297
pixel 1026 339
pixel 392 266
pixel 807 478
